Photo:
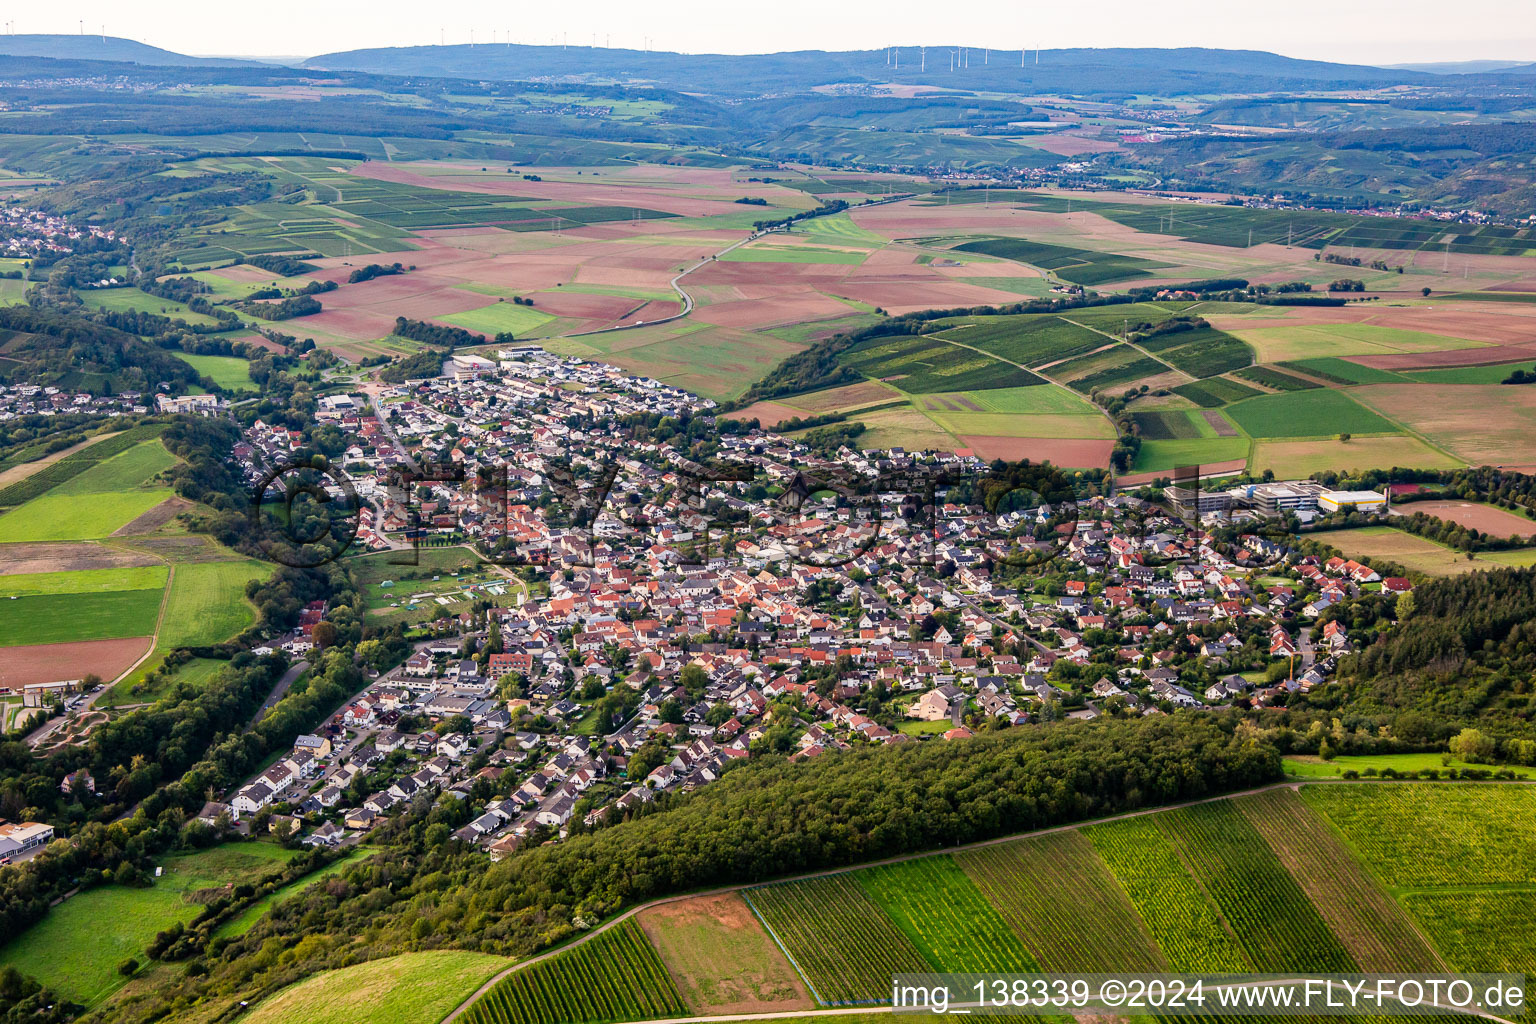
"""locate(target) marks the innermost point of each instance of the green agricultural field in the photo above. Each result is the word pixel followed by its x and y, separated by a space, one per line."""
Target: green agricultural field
pixel 991 424
pixel 1414 836
pixel 844 946
pixel 1491 374
pixel 1312 341
pixel 229 372
pixel 1115 318
pixel 1080 266
pixel 411 988
pixel 82 581
pixel 1373 928
pixel 1028 340
pixel 1205 352
pixel 93 503
pixel 1056 891
pixel 1279 380
pixel 500 317
pixel 76 948
pixel 769 253
pixel 1480 931
pixel 1342 371
pixel 614 977
pixel 61 618
pixel 1050 400
pixel 1318 413
pixel 926 365
pixel 207 603
pixel 1187 927
pixel 937 907
pixel 806 333
pixel 1215 392
pixel 1120 375
pixel 1412 552
pixel 1155 455
pixel 1294 459
pixel 1167 425
pixel 839 229
pixel 424 564
pixel 1274 922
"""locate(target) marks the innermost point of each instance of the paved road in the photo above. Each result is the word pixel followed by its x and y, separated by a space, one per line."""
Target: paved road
pixel 294 671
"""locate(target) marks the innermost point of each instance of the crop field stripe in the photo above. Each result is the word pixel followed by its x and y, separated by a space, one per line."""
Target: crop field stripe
pixel 1058 893
pixel 616 976
pixel 1272 918
pixel 746 894
pixel 838 936
pixel 946 917
pixel 1181 917
pixel 73 465
pixel 1461 836
pixel 1480 931
pixel 1366 920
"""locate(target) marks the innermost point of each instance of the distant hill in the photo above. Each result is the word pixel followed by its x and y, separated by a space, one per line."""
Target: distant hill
pixel 1463 67
pixel 1080 71
pixel 110 48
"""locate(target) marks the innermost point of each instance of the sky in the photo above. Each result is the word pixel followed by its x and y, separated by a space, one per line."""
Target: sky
pixel 1346 31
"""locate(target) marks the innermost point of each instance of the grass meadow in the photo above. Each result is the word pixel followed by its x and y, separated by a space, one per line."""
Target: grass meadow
pixel 407 989
pixel 76 948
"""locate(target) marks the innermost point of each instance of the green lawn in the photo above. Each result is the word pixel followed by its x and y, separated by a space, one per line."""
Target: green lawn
pixel 1317 413
pixel 499 317
pixel 412 988
pixel 76 948
pixel 229 372
pixel 1310 767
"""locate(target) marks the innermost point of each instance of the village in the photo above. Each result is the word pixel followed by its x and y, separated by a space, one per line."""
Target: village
pixel 687 621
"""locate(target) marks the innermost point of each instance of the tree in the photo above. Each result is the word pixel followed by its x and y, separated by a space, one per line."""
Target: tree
pixel 1472 746
pixel 324 635
pixel 1344 436
pixel 1424 292
pixel 128 967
